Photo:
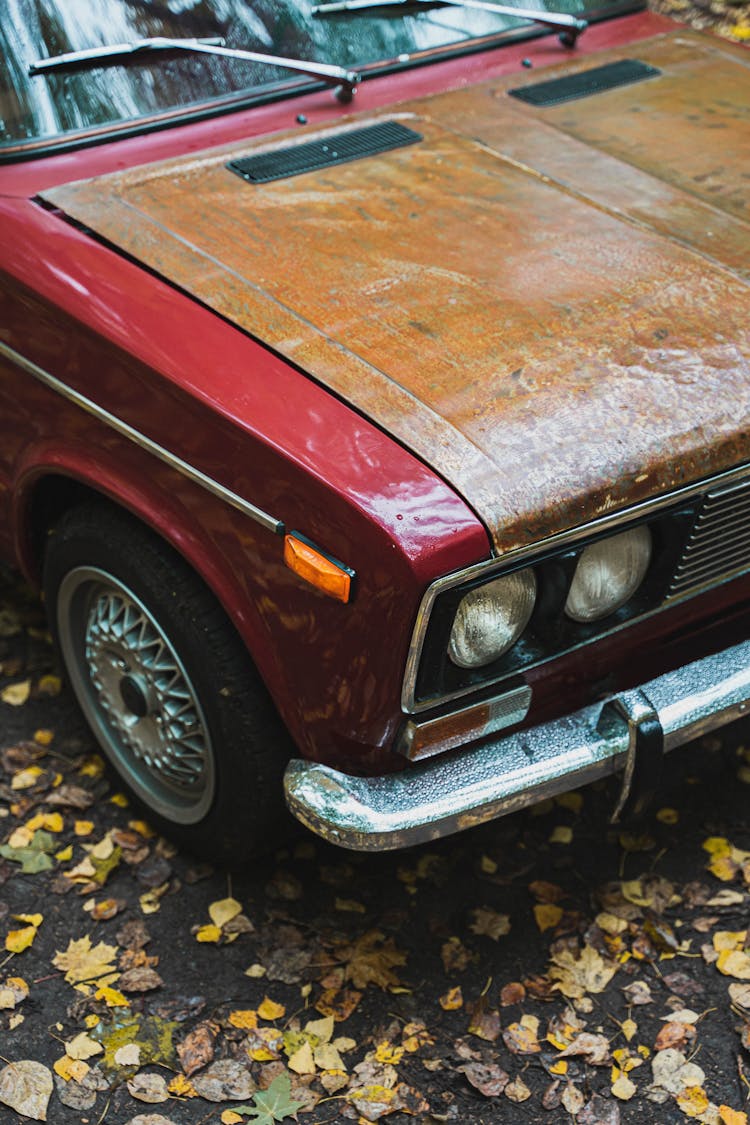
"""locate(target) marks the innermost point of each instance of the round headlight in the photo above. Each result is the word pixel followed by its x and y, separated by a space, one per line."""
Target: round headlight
pixel 491 618
pixel 608 573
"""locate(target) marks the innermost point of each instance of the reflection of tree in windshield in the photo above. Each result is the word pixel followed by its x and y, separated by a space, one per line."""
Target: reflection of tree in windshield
pixel 46 106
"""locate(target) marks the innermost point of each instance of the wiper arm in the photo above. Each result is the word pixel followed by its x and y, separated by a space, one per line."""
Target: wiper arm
pixel 344 81
pixel 571 26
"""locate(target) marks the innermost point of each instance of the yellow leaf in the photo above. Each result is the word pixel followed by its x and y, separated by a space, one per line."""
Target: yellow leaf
pixel 120 800
pixel 83 827
pixel 629 1029
pixel 65 854
pixel 207 933
pixel 29 919
pixel 50 685
pixel 256 971
pixel 302 1061
pixel 487 865
pixel 83 962
pixel 50 821
pixel 269 1010
pixel 559 1067
pixel 562 834
pixel 693 1101
pixel 24 779
pixel 92 1019
pixel 668 816
pixel 16 695
pixel 92 767
pixel 229 1117
pixel 547 915
pixel 18 940
pixel 723 867
pixel 43 737
pixel 150 901
pixel 69 1068
pixel 717 845
pixel 732 1116
pixel 386 1053
pixel 142 828
pixel 572 801
pixel 734 963
pixel 82 1047
pixel 111 997
pixel 350 905
pixel 729 939
pixel 182 1087
pixel 247 1018
pixel 224 910
pixel 21 837
pixel 452 999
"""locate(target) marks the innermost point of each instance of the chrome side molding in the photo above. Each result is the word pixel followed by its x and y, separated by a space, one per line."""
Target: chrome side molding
pixel 480 783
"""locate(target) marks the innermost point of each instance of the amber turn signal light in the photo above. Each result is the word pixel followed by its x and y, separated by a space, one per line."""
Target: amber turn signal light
pixel 317 568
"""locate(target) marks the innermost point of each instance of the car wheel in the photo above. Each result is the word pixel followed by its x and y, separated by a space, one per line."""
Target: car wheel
pixel 166 685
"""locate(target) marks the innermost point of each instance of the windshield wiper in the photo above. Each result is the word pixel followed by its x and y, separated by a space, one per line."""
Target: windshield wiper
pixel 344 81
pixel 571 26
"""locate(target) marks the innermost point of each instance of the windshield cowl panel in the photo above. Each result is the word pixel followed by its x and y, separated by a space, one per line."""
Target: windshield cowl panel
pixel 44 112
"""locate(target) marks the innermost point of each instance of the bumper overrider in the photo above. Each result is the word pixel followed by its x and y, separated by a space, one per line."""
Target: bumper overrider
pixel 631 731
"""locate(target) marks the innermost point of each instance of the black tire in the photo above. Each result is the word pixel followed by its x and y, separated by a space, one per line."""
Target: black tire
pixel 166 685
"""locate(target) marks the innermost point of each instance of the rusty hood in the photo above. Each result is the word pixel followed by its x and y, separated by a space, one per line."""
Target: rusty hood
pixel 549 305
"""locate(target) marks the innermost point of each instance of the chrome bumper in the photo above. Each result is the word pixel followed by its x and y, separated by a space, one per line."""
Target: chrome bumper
pixel 447 794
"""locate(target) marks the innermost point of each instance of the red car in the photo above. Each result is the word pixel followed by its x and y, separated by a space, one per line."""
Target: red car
pixel 374 394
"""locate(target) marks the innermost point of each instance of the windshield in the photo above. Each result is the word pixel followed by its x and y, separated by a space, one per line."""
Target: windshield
pixel 39 112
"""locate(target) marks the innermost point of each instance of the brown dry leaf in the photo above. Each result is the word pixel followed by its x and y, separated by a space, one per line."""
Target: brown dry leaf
pixel 489 923
pixel 455 956
pixel 83 962
pixel 148 1088
pixel 599 1111
pixel 26 1087
pixel 484 1022
pixel 225 1080
pixel 739 994
pixel 488 1078
pixel 575 976
pixel 339 1003
pixel 674 1034
pixel 638 992
pixel 142 979
pixel 517 1090
pixel 197 1048
pixel 513 993
pixel 371 960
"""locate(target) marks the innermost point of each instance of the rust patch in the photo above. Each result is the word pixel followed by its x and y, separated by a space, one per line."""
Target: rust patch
pixel 540 303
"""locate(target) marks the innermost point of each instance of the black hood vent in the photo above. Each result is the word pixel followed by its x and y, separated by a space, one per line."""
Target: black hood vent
pixel 338 148
pixel 586 83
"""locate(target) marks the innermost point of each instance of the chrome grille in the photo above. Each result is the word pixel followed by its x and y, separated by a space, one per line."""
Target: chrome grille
pixel 719 544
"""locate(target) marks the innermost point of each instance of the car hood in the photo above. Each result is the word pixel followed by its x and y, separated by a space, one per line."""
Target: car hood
pixel 548 304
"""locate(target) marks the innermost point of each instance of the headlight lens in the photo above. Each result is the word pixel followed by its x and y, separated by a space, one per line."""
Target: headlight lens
pixel 608 573
pixel 491 618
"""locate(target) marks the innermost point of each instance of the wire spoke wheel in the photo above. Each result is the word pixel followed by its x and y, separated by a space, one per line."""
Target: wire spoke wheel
pixel 136 694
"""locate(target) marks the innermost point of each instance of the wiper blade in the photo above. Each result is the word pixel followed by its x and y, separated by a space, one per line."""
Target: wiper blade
pixel 571 26
pixel 344 81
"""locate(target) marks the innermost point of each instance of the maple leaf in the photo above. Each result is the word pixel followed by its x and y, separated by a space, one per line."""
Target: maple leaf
pixel 273 1104
pixel 83 962
pixel 371 960
pixel 575 976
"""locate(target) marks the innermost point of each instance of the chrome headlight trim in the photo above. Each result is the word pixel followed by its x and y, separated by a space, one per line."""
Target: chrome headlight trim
pixel 571 537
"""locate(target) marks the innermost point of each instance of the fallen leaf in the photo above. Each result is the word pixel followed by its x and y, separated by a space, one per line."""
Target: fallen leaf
pixel 674 1073
pixel 732 1116
pixel 452 999
pixel 594 1048
pixel 517 1090
pixel 197 1048
pixel 547 915
pixel 623 1088
pixel 26 1087
pixel 141 979
pixel 489 923
pixel 734 963
pixel 224 910
pixel 575 976
pixel 572 1099
pixel 83 962
pixel 224 1080
pixel 148 1088
pixel 270 1010
pixel 16 695
pixel 129 1055
pixel 82 1047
